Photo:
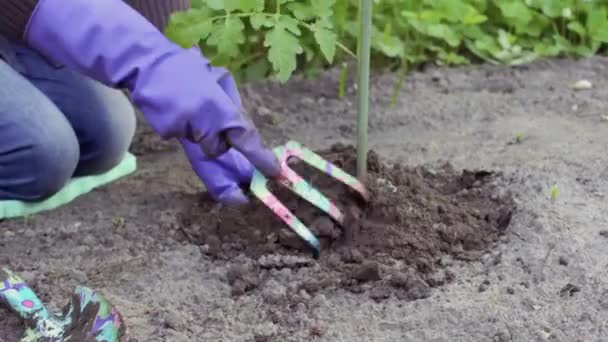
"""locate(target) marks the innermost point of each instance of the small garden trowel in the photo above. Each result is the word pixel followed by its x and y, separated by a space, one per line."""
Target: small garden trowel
pixel 88 317
pixel 294 182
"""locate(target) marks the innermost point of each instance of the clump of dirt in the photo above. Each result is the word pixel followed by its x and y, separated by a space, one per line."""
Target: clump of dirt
pixel 11 327
pixel 396 241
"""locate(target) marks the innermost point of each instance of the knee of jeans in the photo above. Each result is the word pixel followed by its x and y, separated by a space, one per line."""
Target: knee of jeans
pixel 109 140
pixel 52 162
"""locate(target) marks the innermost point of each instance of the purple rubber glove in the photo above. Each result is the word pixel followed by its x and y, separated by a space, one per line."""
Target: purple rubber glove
pixel 180 94
pixel 223 175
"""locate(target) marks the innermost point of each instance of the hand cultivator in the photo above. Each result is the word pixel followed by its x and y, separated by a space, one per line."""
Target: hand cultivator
pixel 88 316
pixel 294 182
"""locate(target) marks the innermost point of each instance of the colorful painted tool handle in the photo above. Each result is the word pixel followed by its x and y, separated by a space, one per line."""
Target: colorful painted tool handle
pixel 88 317
pixel 260 190
pixel 293 181
pixel 295 149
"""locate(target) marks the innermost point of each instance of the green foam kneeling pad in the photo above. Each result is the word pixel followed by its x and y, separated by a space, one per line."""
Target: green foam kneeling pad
pixel 76 187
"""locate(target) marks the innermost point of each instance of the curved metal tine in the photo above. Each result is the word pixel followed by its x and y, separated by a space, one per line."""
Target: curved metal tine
pixel 260 190
pixel 301 187
pixel 295 149
pixel 295 183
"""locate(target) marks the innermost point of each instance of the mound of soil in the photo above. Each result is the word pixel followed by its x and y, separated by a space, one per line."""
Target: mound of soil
pixel 11 327
pixel 395 241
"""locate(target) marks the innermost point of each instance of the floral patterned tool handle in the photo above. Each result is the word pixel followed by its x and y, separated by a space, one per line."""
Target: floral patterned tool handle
pixel 88 317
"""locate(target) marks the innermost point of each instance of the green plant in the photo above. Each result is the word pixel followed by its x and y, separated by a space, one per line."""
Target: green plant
pixel 519 138
pixel 554 192
pixel 496 31
pixel 254 37
pixel 363 57
pixel 118 221
pixel 259 38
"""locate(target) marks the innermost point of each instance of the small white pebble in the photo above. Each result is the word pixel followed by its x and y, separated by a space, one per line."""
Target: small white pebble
pixel 582 85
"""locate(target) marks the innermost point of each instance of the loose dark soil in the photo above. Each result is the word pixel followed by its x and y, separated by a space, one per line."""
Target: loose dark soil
pixel 396 240
pixel 11 328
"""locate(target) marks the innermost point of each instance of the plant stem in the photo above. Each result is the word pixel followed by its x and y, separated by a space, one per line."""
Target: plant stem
pixel 343 76
pixel 363 61
pixel 399 84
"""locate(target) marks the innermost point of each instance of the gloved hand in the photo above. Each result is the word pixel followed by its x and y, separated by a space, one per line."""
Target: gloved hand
pixel 222 175
pixel 178 91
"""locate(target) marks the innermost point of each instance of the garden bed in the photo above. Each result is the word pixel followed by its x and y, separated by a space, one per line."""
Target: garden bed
pixel 392 244
pixel 462 241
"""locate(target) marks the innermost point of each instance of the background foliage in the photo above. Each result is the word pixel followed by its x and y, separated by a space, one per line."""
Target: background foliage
pixel 260 38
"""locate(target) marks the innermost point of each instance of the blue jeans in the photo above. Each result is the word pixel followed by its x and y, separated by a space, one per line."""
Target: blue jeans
pixel 55 124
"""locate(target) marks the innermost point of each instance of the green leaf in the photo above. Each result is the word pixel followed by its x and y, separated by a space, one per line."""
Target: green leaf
pixel 578 28
pixel 505 39
pixel 220 60
pixel 601 35
pixel 217 5
pixel 563 44
pixel 431 16
pixel 449 58
pixel 454 59
pixel 441 31
pixel 523 18
pixel 327 41
pixel 227 36
pixel 323 8
pixel 198 3
pixel 260 19
pixel 391 46
pixel 340 16
pixel 485 46
pixel 596 18
pixel 515 11
pixel 301 11
pixel 583 51
pixel 284 47
pixel 536 26
pixel 551 8
pixel 521 58
pixel 291 24
pixel 247 5
pixel 474 19
pixel 546 48
pixel 190 27
pixel 236 5
pixel 410 14
pixel 597 25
